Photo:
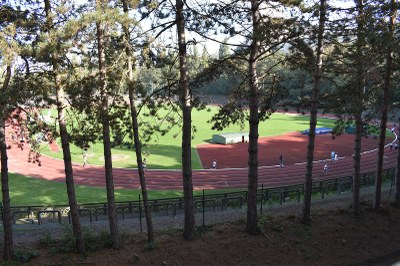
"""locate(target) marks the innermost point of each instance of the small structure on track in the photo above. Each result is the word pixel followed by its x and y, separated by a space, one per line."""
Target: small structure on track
pixel 230 138
pixel 318 131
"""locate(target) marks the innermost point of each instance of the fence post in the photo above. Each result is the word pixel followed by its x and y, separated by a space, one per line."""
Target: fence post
pixel 140 214
pixel 225 203
pixel 203 207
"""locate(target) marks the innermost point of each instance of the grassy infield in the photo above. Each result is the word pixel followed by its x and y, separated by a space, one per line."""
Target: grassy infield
pixel 162 154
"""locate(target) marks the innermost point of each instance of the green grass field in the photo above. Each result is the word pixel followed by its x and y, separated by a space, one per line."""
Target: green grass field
pixel 28 191
pixel 164 152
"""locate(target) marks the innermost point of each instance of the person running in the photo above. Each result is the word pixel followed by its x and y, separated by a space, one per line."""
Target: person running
pixel 281 161
pixel 144 164
pixel 325 171
pixel 85 157
pixel 214 164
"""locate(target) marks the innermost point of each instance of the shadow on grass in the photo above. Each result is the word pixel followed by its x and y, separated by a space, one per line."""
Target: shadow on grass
pixel 159 156
pixel 31 191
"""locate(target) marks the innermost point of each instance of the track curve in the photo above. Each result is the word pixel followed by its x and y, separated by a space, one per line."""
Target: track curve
pixel 271 176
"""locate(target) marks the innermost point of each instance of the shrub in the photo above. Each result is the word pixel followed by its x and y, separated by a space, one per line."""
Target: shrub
pixel 150 246
pixel 22 256
pixel 47 239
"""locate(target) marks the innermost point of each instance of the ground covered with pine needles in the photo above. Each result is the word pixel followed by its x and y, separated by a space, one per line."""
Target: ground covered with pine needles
pixel 335 237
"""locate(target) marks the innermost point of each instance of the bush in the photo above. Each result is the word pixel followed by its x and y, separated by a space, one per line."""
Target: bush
pixel 105 238
pixel 67 243
pixel 47 239
pixel 150 246
pixel 25 255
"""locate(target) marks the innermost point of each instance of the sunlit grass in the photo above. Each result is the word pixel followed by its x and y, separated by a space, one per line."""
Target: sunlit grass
pixel 164 152
pixel 30 191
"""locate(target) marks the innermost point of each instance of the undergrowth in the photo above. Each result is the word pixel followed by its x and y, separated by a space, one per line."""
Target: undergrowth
pixel 66 244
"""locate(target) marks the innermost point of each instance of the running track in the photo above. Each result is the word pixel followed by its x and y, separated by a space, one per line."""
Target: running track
pixel 271 176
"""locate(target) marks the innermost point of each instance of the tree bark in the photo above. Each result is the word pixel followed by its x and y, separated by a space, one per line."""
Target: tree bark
pixel 385 107
pixel 69 177
pixel 306 216
pixel 356 165
pixel 8 248
pixel 397 192
pixel 138 144
pixel 251 222
pixel 358 105
pixel 112 215
pixel 189 230
pixel 393 15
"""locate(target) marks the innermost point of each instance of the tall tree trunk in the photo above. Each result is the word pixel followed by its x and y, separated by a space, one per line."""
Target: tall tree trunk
pixel 393 15
pixel 397 193
pixel 385 107
pixel 138 144
pixel 112 215
pixel 359 92
pixel 306 218
pixel 138 150
pixel 356 165
pixel 189 229
pixel 251 222
pixel 69 177
pixel 7 216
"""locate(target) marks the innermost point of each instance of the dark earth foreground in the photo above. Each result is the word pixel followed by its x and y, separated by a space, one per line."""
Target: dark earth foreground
pixel 334 238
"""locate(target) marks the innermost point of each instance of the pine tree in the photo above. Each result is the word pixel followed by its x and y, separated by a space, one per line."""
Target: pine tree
pixel 6 208
pixel 251 222
pixel 60 96
pixel 135 125
pixel 12 22
pixel 306 218
pixel 385 104
pixel 265 35
pixel 185 101
pixel 105 121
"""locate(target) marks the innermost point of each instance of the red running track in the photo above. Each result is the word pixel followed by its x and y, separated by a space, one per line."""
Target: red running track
pixel 292 146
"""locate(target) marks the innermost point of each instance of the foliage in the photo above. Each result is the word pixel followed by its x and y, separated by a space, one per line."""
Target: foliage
pixel 263 221
pixel 150 246
pixel 354 67
pixel 66 244
pixel 202 230
pixel 104 238
pixel 47 239
pixel 23 256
